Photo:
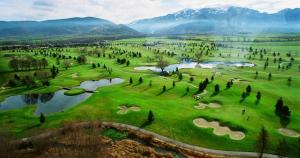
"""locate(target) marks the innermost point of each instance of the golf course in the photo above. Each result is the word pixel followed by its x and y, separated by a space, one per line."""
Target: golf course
pixel 214 91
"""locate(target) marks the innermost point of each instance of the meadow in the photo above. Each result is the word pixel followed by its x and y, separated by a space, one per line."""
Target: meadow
pixel 173 108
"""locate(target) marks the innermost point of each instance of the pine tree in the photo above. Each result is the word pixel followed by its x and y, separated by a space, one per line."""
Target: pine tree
pixel 42 118
pixel 164 88
pixel 217 88
pixel 150 117
pixel 248 89
pixel 262 142
pixel 258 95
pixel 140 80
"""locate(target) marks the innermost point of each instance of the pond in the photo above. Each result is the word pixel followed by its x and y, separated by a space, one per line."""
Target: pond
pixel 55 102
pixel 93 85
pixel 191 65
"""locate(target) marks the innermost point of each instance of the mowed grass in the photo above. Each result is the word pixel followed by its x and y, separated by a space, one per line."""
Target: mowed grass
pixel 174 109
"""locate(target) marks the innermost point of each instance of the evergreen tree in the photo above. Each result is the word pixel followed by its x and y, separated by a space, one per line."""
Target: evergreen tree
pixel 164 88
pixel 140 80
pixel 212 78
pixel 42 118
pixel 228 85
pixel 217 88
pixel 191 79
pixel 150 117
pixel 248 89
pixel 262 142
pixel 289 81
pixel 244 95
pixel 180 77
pixel 258 95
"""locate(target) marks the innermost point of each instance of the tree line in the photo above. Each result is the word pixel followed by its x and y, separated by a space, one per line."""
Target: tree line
pixel 27 63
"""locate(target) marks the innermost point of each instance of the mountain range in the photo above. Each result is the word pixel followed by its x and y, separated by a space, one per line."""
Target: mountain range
pixel 64 27
pixel 216 20
pixel 187 21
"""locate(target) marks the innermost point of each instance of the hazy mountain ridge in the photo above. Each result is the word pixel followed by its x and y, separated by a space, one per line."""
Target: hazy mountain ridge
pixel 230 20
pixel 187 21
pixel 61 27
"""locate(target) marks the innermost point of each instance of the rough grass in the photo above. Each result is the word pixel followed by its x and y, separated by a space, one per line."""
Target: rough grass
pixel 114 134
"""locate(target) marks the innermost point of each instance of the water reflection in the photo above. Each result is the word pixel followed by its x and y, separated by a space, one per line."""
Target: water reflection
pixel 55 102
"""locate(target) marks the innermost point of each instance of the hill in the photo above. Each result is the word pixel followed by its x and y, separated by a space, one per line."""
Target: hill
pixel 63 27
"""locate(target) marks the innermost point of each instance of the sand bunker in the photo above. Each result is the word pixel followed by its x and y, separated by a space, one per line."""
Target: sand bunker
pixel 219 130
pixel 235 80
pixel 288 132
pixel 210 105
pixel 199 96
pixel 124 109
pixel 75 75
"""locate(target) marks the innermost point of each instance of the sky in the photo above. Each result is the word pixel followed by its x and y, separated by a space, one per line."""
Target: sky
pixel 123 11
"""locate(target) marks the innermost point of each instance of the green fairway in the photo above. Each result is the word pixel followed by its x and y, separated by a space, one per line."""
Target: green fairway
pixel 173 108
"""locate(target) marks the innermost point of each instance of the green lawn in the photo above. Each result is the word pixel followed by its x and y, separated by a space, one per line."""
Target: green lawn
pixel 174 109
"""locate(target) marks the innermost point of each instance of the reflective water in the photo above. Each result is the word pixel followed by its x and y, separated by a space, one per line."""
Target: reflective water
pixel 191 65
pixel 45 103
pixel 55 102
pixel 93 85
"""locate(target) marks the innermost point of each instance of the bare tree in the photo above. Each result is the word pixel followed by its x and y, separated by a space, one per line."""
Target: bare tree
pixel 162 64
pixel 67 63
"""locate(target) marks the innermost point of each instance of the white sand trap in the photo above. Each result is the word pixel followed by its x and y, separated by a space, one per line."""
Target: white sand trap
pixel 199 96
pixel 214 105
pixel 219 130
pixel 288 132
pixel 75 75
pixel 202 106
pixel 124 109
pixel 236 80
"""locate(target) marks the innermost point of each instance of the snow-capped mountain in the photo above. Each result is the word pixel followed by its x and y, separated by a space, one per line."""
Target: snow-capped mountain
pixel 220 20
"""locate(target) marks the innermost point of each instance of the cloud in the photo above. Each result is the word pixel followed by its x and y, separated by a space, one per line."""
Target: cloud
pixel 43 6
pixel 121 11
